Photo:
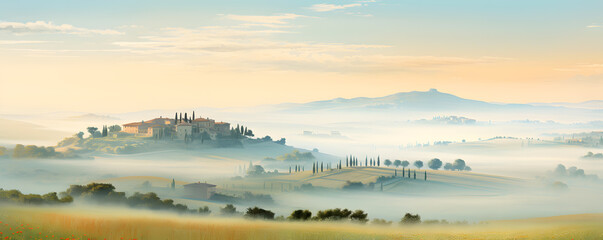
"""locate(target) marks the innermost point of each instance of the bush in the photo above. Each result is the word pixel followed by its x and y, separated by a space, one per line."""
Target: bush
pixel 300 215
pixel 296 155
pixel 15 196
pixel 259 213
pixel 229 209
pixel 204 210
pixel 411 219
pixel 333 214
pixel 359 216
pixel 349 185
pixel 379 221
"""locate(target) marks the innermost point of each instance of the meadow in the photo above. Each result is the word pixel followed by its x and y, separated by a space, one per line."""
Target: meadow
pixel 105 223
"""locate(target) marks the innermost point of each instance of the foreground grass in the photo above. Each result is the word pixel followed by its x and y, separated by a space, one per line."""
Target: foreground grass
pixel 93 223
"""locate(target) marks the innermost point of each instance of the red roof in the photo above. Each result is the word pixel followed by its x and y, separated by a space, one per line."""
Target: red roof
pixel 222 123
pixel 201 120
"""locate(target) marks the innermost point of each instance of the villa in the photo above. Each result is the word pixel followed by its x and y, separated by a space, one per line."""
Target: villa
pixel 178 128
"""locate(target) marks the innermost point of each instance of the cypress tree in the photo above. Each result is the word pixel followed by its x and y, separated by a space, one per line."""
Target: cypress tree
pixel 425 175
pixel 378 162
pixel 193 115
pixel 175 118
pixel 180 117
pixel 415 172
pixel 185 118
pixel 289 169
pixel 321 165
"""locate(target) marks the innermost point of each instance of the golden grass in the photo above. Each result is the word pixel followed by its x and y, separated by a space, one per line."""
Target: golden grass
pixel 89 223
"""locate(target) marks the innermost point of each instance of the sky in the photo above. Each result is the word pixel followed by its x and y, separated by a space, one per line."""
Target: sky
pixel 122 55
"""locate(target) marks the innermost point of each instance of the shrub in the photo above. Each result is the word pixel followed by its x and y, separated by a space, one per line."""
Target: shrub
pixel 359 216
pixel 229 209
pixel 300 215
pixel 349 185
pixel 411 219
pixel 379 221
pixel 259 213
pixel 333 214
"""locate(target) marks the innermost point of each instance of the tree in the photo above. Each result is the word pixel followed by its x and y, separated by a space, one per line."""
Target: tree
pixel 359 216
pixel 411 219
pixel 92 130
pixel 387 162
pixel 260 213
pixel 448 166
pixel 229 209
pixel 193 118
pixel 173 186
pixel 300 215
pixel 114 128
pixel 418 164
pixel 204 210
pixel 104 132
pixel 255 170
pixel 405 163
pixel 397 163
pixel 458 164
pixel 434 164
pixel 80 135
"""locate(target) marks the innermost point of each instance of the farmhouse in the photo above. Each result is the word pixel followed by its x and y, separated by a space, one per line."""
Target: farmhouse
pixel 177 128
pixel 199 190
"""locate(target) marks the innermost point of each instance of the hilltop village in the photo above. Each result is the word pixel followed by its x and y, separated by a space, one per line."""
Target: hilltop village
pixel 178 127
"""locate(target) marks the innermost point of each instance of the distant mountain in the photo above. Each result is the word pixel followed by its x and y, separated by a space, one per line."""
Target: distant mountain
pixel 435 103
pixel 593 104
pixel 431 100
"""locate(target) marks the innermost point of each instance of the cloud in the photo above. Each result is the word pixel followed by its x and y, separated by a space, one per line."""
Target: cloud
pixel 274 19
pixel 234 48
pixel 593 26
pixel 20 42
pixel 323 7
pixel 42 26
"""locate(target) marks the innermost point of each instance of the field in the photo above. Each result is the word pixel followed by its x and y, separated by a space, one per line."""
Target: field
pixel 95 223
pixel 337 178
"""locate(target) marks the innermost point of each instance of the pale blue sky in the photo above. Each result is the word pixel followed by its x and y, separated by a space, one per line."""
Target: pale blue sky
pixel 468 47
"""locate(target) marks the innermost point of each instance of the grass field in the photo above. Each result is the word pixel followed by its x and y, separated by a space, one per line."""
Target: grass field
pixel 337 178
pixel 94 223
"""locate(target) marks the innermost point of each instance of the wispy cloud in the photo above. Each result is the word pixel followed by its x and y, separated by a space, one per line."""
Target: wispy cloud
pixel 273 19
pixel 593 26
pixel 244 49
pixel 20 42
pixel 324 7
pixel 42 26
